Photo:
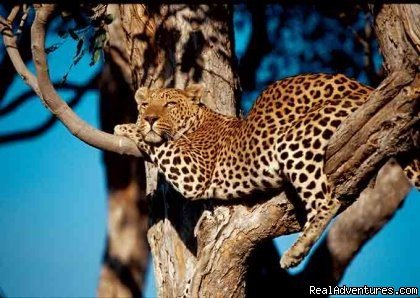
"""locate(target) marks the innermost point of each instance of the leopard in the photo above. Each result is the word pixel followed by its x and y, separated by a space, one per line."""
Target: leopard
pixel 282 141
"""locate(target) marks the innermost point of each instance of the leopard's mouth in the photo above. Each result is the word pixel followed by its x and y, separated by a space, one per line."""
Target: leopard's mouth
pixel 155 138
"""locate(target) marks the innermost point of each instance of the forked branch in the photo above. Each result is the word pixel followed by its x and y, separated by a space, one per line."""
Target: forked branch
pixel 56 104
pixel 10 42
pixel 43 87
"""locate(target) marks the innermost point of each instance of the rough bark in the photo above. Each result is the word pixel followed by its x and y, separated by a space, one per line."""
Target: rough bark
pixel 126 253
pixel 171 46
pixel 203 52
pixel 203 248
pixel 129 56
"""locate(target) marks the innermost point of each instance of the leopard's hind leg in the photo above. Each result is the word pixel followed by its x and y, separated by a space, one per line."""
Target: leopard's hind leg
pixel 321 208
pixel 312 187
pixel 302 162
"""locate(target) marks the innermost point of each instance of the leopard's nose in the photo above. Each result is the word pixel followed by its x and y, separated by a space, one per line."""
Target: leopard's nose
pixel 151 119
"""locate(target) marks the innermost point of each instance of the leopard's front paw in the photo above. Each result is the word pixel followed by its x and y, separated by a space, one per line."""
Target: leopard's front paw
pixel 128 130
pixel 125 130
pixel 120 130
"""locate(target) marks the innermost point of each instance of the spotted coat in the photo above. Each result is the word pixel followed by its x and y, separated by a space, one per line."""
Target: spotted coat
pixel 283 139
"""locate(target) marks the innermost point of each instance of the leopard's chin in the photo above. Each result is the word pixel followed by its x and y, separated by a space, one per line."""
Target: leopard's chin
pixel 153 138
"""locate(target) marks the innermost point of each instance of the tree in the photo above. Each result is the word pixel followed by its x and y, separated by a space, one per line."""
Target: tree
pixel 194 244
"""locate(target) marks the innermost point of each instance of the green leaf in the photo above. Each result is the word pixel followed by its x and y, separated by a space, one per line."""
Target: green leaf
pixel 99 42
pixel 95 57
pixel 52 48
pixel 64 79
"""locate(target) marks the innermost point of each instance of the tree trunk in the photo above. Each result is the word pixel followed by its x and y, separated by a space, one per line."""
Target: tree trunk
pixel 126 253
pixel 204 248
pixel 202 53
pixel 128 65
pixel 158 46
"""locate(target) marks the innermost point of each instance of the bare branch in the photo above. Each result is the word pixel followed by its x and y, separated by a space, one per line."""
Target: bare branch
pixel 55 103
pixel 381 129
pixel 25 14
pixel 37 130
pixel 398 30
pixel 385 91
pixel 24 97
pixel 367 216
pixel 43 127
pixel 13 13
pixel 12 50
pixel 44 88
pixel 8 71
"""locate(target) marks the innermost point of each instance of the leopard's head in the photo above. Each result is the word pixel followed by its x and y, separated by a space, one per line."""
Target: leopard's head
pixel 167 113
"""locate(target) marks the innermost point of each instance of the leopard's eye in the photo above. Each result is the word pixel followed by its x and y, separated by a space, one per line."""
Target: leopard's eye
pixel 144 105
pixel 170 104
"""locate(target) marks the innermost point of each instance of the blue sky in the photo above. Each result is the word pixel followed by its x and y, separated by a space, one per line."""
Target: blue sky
pixel 53 206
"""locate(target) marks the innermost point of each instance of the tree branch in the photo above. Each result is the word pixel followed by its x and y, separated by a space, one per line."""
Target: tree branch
pixel 24 97
pixel 8 70
pixel 9 40
pixel 367 216
pixel 39 129
pixel 58 107
pixel 379 130
pixel 398 31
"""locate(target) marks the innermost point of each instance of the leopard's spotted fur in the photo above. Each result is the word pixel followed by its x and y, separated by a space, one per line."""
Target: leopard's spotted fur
pixel 283 139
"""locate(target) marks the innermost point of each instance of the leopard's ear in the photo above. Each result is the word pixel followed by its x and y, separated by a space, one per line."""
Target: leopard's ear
pixel 195 92
pixel 141 95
